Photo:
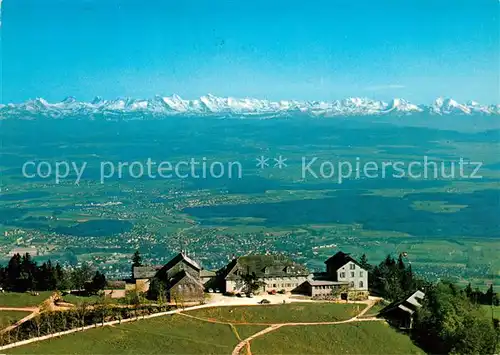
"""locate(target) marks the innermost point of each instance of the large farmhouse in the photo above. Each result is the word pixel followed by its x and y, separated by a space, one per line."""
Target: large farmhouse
pixel 272 272
pixel 343 268
pixel 180 279
pixel 344 276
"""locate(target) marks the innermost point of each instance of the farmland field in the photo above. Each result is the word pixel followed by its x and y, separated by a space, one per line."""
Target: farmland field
pixel 448 226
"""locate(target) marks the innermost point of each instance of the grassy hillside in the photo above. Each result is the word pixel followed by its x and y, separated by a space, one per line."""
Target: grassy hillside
pixel 22 299
pixel 350 338
pixel 179 334
pixel 164 335
pixel 282 313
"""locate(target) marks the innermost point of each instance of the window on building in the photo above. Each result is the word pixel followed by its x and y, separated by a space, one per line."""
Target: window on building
pixel 352 273
pixel 352 266
pixel 342 274
pixel 351 284
pixel 361 274
pixel 361 284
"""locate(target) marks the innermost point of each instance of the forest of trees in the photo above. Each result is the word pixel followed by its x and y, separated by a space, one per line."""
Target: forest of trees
pixel 449 322
pixel 393 279
pixel 450 319
pixel 23 274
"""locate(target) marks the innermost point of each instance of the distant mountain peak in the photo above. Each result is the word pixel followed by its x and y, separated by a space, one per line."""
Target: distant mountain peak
pixel 211 105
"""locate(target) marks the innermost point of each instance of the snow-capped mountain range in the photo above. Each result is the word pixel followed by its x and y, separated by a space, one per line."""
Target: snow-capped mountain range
pixel 211 105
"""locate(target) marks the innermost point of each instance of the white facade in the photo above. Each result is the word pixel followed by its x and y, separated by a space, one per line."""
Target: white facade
pixel 354 275
pixel 287 283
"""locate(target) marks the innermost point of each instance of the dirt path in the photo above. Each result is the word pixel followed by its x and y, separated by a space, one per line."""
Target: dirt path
pixel 246 342
pixel 22 309
pixel 47 303
pixel 33 314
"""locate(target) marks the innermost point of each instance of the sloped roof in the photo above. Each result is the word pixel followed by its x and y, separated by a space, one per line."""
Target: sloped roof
pixel 408 304
pixel 413 299
pixel 207 273
pixel 182 275
pixel 179 257
pixel 265 265
pixel 144 272
pixel 226 270
pixel 340 259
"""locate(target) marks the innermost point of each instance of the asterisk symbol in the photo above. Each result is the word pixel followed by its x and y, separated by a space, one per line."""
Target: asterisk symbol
pixel 262 162
pixel 280 162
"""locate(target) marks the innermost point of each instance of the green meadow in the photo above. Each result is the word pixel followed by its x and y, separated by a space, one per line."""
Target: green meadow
pixel 219 330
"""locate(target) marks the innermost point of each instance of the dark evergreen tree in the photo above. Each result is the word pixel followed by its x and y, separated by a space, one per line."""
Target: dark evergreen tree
pixel 26 280
pixel 97 284
pixel 62 282
pixel 489 296
pixel 80 276
pixel 13 272
pixel 468 291
pixel 136 259
pixel 364 262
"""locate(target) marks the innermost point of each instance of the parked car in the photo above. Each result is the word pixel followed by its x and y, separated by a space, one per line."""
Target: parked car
pixel 250 295
pixel 210 290
pixel 272 292
pixel 264 301
pixel 239 295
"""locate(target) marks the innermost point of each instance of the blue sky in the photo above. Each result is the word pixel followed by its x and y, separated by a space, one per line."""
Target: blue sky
pixel 325 50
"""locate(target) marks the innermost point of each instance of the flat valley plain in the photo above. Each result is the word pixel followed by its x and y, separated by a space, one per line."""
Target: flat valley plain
pixel 448 226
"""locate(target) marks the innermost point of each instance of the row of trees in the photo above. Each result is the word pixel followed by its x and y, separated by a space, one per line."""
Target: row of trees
pixel 84 314
pixel 23 274
pixel 478 297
